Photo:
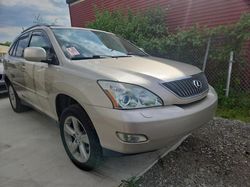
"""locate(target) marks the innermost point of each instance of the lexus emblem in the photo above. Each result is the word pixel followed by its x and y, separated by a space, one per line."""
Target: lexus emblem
pixel 197 84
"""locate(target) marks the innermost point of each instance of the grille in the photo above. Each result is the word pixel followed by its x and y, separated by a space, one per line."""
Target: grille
pixel 195 85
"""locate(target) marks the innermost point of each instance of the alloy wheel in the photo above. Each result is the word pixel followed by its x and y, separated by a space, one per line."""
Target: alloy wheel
pixel 77 139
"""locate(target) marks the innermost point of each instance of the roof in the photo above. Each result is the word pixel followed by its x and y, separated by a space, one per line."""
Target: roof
pixel 4 49
pixel 70 1
pixel 38 25
pixel 60 26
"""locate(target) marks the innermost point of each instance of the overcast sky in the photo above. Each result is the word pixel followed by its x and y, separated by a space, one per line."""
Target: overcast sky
pixel 18 14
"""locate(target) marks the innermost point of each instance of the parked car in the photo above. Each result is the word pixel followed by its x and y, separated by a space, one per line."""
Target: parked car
pixel 3 88
pixel 105 92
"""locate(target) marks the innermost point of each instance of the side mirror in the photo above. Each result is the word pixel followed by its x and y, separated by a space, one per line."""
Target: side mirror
pixel 36 54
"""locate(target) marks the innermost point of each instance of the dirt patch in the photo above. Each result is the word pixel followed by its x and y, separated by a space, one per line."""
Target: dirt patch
pixel 215 155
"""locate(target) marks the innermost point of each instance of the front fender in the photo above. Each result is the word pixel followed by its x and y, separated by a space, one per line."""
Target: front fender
pixel 83 93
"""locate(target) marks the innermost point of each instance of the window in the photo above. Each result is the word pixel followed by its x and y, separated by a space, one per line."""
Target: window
pixel 81 44
pixel 21 45
pixel 12 49
pixel 38 39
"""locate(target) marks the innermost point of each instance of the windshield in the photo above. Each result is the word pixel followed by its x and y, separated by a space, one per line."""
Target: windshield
pixel 85 44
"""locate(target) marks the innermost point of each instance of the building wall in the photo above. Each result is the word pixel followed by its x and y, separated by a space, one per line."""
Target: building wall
pixel 181 13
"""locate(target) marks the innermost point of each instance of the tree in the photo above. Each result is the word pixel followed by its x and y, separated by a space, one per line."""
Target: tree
pixel 7 43
pixel 41 20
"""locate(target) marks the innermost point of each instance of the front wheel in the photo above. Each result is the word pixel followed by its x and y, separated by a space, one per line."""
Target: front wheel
pixel 80 139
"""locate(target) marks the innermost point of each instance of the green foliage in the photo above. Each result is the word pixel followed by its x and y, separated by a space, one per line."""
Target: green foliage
pixel 239 114
pixel 132 182
pixel 144 29
pixel 7 43
pixel 235 107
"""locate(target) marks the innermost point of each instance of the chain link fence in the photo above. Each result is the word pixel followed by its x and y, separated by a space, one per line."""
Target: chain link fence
pixel 217 69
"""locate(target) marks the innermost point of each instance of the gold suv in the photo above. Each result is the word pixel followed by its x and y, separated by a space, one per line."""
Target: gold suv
pixel 106 93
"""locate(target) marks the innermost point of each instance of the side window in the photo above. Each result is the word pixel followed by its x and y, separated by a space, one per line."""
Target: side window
pixel 12 49
pixel 21 45
pixel 38 40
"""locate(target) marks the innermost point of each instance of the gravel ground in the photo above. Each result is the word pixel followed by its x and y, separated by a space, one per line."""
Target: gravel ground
pixel 215 155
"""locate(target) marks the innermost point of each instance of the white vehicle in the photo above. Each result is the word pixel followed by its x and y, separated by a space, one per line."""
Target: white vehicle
pixel 3 88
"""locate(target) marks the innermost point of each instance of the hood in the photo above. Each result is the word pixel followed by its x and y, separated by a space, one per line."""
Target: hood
pixel 148 72
pixel 131 68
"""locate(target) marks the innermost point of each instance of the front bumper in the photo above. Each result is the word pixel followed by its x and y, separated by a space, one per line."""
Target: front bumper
pixel 163 126
pixel 3 87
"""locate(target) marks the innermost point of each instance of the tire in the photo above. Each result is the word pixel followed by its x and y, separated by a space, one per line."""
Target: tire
pixel 80 139
pixel 15 101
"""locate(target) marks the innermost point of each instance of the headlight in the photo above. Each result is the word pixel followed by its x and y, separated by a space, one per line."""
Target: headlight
pixel 129 96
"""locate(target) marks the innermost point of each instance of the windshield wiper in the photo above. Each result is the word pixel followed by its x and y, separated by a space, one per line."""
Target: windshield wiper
pixel 121 56
pixel 87 57
pixel 137 54
pixel 110 56
pixel 97 56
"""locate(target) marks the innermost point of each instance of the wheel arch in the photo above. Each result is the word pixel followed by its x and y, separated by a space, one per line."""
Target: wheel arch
pixel 63 101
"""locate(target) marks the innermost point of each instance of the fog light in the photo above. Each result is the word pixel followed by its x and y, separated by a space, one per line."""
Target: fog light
pixel 131 138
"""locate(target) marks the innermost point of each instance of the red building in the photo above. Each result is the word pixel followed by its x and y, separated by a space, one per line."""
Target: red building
pixel 181 13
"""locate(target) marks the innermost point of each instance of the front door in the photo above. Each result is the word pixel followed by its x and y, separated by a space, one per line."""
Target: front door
pixel 42 72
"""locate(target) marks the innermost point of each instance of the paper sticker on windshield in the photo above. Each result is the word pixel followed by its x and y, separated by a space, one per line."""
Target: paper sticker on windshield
pixel 72 51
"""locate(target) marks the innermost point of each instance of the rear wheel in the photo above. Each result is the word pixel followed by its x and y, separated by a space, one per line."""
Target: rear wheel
pixel 15 101
pixel 80 139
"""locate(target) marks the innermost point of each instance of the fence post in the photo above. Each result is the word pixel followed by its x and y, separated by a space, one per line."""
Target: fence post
pixel 206 54
pixel 231 60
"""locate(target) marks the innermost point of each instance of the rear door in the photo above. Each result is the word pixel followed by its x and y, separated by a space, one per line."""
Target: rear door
pixel 16 65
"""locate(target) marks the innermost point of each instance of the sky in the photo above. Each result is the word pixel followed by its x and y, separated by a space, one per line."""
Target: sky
pixel 16 15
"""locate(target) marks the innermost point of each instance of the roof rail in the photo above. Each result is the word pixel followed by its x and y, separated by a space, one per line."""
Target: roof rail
pixel 37 25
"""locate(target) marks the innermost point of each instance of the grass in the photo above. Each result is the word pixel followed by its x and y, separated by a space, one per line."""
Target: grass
pixel 236 106
pixel 240 114
pixel 132 182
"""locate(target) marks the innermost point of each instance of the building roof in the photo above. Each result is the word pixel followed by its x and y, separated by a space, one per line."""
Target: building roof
pixel 4 49
pixel 70 1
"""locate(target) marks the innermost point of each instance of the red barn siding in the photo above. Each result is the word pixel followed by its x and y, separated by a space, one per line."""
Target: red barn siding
pixel 181 13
